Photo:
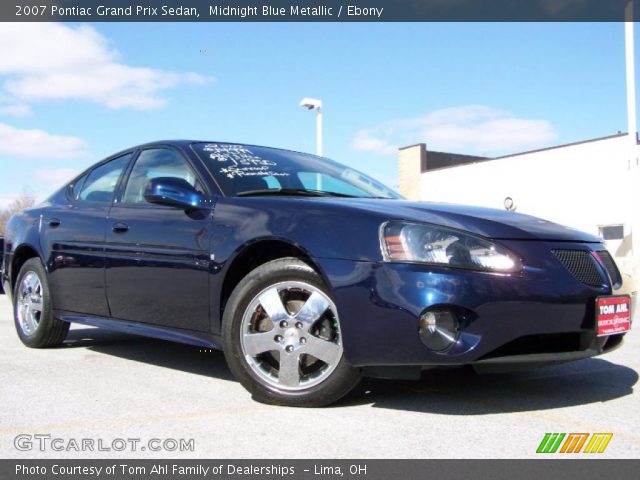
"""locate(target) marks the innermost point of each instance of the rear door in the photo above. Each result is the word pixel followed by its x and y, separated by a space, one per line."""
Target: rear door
pixel 74 236
pixel 158 256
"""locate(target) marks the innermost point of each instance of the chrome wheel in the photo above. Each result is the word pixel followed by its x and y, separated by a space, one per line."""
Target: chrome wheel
pixel 290 335
pixel 30 303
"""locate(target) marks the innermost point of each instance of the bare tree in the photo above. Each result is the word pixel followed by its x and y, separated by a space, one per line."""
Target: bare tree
pixel 22 201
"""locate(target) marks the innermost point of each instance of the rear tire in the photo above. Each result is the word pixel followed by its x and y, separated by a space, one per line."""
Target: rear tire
pixel 32 309
pixel 282 339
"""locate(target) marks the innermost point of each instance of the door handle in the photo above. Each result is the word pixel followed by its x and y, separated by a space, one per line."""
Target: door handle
pixel 54 222
pixel 120 227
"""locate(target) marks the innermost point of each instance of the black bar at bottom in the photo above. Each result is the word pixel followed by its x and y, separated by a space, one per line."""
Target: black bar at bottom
pixel 125 469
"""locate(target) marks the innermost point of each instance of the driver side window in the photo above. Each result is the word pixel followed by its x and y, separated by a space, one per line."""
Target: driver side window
pixel 155 163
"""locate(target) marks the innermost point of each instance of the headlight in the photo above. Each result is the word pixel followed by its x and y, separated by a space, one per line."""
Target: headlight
pixel 432 244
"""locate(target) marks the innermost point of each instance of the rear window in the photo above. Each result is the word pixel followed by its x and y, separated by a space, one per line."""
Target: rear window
pixel 74 188
pixel 101 183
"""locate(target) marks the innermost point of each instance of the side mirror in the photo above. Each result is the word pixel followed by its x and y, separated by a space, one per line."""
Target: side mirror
pixel 172 191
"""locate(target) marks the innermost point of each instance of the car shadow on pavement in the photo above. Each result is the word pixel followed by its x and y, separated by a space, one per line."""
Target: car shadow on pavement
pixel 447 391
pixel 160 353
pixel 461 391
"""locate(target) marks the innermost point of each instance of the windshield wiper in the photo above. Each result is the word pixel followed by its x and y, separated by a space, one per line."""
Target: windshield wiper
pixel 292 191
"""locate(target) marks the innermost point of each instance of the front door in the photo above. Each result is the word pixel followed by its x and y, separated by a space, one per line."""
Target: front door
pixel 157 257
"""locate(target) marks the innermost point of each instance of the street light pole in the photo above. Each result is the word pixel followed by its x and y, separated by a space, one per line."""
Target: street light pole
pixel 315 104
pixel 319 129
pixel 634 207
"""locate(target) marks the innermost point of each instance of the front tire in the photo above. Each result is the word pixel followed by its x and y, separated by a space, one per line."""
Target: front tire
pixel 282 337
pixel 32 309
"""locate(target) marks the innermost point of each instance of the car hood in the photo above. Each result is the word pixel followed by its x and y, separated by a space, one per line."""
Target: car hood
pixel 488 222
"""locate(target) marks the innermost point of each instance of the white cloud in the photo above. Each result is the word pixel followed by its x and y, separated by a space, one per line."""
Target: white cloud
pixel 365 141
pixel 15 110
pixel 5 200
pixel 38 144
pixel 470 129
pixel 51 61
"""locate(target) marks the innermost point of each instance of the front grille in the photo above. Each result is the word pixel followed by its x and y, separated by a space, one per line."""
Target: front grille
pixel 610 265
pixel 581 265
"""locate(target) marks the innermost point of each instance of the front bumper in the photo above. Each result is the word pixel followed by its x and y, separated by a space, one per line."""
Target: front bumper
pixel 539 316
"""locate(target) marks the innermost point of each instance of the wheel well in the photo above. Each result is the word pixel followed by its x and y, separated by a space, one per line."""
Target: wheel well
pixel 21 255
pixel 252 257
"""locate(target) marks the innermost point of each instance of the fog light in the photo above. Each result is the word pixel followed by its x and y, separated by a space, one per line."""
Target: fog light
pixel 439 329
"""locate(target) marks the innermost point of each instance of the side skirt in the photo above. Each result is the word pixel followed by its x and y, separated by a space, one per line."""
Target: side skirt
pixel 189 337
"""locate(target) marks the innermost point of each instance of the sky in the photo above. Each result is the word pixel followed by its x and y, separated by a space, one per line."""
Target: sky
pixel 72 94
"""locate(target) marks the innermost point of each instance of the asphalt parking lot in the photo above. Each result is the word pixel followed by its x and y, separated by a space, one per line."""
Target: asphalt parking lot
pixel 105 386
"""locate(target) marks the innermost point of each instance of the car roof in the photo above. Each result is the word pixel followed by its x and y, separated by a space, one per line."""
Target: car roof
pixel 183 143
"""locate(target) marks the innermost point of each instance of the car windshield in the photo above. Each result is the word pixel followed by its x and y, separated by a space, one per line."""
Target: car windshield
pixel 243 170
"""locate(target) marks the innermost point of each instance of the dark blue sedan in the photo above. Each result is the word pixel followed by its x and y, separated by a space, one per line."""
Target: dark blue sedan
pixel 306 273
